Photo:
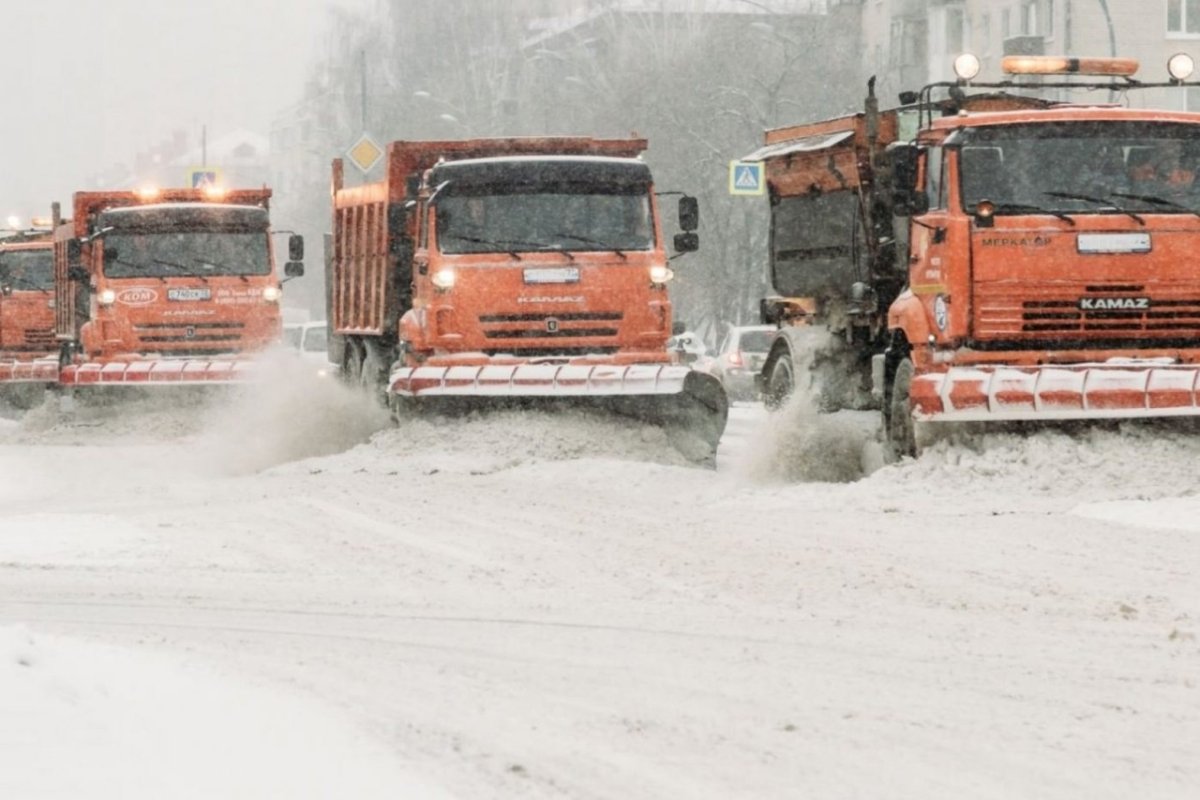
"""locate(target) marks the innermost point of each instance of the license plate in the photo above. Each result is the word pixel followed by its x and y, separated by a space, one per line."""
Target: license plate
pixel 188 295
pixel 1113 242
pixel 554 275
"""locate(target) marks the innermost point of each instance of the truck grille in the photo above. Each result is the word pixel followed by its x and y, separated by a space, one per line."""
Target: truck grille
pixel 40 338
pixel 168 332
pixel 567 325
pixel 1006 316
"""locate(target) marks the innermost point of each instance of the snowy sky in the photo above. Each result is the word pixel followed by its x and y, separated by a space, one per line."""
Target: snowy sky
pixel 89 84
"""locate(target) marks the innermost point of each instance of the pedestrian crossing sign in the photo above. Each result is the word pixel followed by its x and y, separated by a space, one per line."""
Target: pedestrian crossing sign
pixel 204 177
pixel 746 177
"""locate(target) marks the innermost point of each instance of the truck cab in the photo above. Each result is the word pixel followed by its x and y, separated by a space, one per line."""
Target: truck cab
pixel 539 255
pixel 177 274
pixel 1066 230
pixel 26 298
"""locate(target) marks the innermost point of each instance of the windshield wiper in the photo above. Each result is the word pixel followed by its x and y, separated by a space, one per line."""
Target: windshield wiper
pixel 1021 208
pixel 181 269
pixel 228 269
pixel 1158 201
pixel 477 240
pixel 1098 200
pixel 595 242
pixel 138 267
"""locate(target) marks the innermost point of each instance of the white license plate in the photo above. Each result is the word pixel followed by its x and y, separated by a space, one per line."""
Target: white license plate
pixel 554 275
pixel 188 294
pixel 1113 242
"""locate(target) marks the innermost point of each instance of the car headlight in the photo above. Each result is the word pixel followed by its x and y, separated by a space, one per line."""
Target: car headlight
pixel 660 274
pixel 444 278
pixel 272 294
pixel 106 297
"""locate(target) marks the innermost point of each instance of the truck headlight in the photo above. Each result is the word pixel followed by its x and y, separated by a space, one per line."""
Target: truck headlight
pixel 660 274
pixel 444 278
pixel 106 297
pixel 272 294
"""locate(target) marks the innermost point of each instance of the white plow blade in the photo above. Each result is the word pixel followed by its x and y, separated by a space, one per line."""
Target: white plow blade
pixel 43 370
pixel 538 380
pixel 162 372
pixel 1087 391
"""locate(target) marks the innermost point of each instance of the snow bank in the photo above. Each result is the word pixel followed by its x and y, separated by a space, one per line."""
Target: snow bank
pixel 86 720
pixel 498 440
pixel 1134 460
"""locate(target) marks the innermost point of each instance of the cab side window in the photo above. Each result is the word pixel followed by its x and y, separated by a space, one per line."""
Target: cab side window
pixel 935 184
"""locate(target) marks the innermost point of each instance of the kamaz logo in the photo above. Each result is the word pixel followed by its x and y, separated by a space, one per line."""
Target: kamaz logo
pixel 1114 303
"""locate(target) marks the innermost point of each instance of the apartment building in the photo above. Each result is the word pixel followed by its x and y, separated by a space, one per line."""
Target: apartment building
pixel 909 43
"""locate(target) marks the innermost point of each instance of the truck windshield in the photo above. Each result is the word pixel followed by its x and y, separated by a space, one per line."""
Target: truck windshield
pixel 1082 167
pixel 27 269
pixel 546 220
pixel 136 254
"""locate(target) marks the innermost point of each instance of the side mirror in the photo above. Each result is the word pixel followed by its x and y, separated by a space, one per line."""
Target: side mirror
pixel 687 242
pixel 74 253
pixel 678 327
pixel 6 289
pixel 904 158
pixel 295 247
pixel 111 254
pixel 689 214
pixel 909 202
pixel 293 269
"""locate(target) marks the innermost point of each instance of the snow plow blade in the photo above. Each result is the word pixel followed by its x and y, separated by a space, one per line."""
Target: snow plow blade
pixel 163 372
pixel 43 370
pixel 676 398
pixel 1111 390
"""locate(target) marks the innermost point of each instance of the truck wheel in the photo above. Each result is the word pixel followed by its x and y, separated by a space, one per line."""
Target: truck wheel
pixel 899 431
pixel 780 383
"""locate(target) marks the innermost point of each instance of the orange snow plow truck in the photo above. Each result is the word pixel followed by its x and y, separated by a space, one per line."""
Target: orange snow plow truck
pixel 519 271
pixel 28 350
pixel 171 287
pixel 992 255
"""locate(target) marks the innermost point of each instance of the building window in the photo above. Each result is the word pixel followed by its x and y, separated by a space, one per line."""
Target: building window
pixel 1029 18
pixel 1183 16
pixel 1006 23
pixel 1048 19
pixel 956 33
pixel 985 34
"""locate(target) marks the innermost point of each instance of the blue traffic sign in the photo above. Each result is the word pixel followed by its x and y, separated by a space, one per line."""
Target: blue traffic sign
pixel 746 177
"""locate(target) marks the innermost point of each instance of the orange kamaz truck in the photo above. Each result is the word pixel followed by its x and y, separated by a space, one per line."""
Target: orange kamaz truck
pixel 514 271
pixel 166 287
pixel 982 254
pixel 28 350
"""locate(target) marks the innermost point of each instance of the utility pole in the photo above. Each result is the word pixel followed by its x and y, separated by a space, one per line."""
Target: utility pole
pixel 362 62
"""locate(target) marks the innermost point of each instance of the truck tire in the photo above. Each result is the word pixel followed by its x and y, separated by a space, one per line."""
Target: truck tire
pixel 781 382
pixel 899 433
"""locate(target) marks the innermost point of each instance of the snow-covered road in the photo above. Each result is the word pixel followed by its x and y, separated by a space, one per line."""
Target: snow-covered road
pixel 522 606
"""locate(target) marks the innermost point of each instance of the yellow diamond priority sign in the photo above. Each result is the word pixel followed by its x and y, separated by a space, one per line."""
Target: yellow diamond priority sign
pixel 365 153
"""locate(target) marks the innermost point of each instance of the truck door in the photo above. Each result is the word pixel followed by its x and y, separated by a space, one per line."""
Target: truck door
pixel 928 236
